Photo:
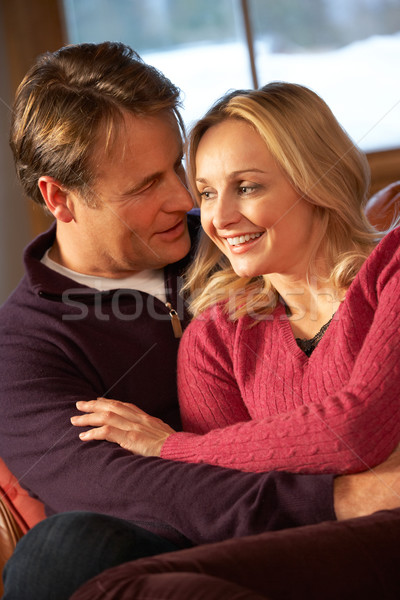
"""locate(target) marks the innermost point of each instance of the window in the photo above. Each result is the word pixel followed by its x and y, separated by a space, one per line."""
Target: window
pixel 348 51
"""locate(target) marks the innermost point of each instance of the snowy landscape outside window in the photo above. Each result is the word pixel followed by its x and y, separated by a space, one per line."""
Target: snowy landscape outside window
pixel 348 51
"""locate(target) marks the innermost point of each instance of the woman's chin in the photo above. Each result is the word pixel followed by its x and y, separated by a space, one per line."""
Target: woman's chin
pixel 246 272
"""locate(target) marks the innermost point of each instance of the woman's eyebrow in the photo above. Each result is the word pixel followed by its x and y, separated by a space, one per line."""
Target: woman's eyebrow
pixel 244 171
pixel 235 174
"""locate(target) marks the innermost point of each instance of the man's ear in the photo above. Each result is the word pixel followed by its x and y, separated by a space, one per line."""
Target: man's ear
pixel 57 199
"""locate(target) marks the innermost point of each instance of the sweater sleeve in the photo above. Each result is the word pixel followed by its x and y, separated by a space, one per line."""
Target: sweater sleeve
pixel 349 431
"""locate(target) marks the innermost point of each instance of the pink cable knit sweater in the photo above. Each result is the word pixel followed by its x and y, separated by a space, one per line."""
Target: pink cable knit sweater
pixel 252 400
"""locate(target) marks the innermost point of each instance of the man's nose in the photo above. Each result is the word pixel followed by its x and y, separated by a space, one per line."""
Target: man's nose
pixel 179 195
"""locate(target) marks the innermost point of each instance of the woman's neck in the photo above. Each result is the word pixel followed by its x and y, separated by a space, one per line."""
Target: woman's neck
pixel 309 304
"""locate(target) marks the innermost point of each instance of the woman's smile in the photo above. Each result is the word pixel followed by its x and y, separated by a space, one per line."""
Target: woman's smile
pixel 241 243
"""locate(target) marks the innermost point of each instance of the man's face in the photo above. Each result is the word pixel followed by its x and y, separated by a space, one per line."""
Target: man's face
pixel 139 221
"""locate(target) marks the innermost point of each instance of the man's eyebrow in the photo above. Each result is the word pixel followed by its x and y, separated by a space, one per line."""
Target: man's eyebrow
pixel 142 183
pixel 149 178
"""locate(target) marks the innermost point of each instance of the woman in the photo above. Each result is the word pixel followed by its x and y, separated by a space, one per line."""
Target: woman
pixel 292 361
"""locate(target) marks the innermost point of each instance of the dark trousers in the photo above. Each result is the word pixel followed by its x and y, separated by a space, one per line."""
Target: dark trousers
pixel 62 552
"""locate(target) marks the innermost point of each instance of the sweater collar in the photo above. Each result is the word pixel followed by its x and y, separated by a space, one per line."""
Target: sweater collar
pixel 43 280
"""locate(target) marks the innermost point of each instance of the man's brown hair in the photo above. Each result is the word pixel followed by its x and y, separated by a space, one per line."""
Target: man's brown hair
pixel 64 99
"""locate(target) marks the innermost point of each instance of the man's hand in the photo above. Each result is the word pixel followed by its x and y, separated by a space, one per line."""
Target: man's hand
pixel 364 493
pixel 122 423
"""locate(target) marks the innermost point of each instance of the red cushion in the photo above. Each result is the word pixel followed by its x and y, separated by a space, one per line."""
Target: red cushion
pixel 383 207
pixel 26 510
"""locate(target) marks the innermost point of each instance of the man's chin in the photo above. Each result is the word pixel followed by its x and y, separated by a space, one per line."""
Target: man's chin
pixel 180 251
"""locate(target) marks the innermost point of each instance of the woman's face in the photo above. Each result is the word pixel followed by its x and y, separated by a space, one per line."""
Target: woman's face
pixel 248 207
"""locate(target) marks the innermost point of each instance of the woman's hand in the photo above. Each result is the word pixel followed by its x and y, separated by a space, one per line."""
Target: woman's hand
pixel 122 423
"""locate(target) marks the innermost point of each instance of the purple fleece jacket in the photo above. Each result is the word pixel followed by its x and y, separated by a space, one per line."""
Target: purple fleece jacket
pixel 62 342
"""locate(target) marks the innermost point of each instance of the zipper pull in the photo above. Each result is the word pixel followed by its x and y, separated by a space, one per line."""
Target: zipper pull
pixel 175 321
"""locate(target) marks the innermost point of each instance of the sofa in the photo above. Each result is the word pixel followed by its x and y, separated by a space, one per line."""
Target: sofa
pixel 19 512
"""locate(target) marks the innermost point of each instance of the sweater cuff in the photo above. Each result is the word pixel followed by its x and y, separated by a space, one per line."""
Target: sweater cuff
pixel 175 447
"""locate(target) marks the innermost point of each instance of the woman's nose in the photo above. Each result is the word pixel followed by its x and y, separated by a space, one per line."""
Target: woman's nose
pixel 225 213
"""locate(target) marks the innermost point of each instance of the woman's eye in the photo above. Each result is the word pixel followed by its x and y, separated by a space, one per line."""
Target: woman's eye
pixel 206 195
pixel 247 189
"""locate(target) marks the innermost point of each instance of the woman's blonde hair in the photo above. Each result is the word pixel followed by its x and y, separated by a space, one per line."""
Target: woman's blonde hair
pixel 322 164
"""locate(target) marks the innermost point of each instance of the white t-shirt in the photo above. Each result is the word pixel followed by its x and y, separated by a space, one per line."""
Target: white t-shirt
pixel 149 280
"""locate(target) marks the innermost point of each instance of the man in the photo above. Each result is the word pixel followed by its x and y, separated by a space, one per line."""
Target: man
pixel 96 136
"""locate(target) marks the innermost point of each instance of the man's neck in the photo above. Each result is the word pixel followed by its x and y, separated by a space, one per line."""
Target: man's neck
pixel 68 253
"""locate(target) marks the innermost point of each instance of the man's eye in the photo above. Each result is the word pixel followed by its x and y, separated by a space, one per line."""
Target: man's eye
pixel 147 186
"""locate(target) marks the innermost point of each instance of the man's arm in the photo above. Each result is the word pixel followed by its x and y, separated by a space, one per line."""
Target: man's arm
pixel 40 386
pixel 354 495
pixel 364 493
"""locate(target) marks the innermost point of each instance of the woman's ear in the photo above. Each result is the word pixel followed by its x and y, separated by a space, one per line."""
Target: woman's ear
pixel 57 199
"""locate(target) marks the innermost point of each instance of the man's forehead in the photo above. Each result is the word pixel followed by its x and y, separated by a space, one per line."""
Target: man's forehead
pixel 129 127
pixel 135 147
pixel 129 132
